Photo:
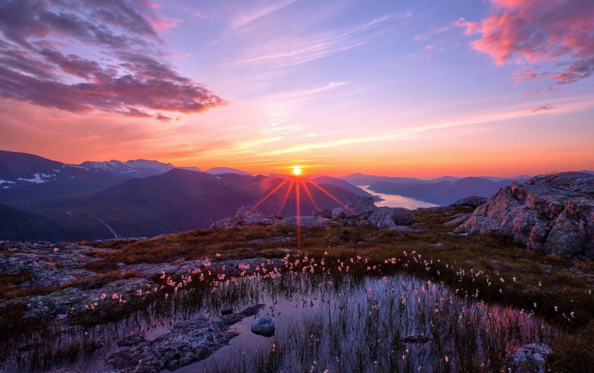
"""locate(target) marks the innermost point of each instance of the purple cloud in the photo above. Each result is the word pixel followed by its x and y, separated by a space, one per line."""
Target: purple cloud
pixel 135 82
pixel 543 108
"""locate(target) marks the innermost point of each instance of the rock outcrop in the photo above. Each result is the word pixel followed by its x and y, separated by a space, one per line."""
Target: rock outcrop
pixel 304 221
pixel 187 342
pixel 358 206
pixel 324 213
pixel 388 217
pixel 553 214
pixel 528 359
pixel 246 217
pixel 472 201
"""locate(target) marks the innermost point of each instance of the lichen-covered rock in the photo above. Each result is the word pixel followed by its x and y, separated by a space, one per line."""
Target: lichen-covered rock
pixel 553 214
pixel 528 359
pixel 472 201
pixel 45 263
pixel 187 342
pixel 73 300
pixel 458 219
pixel 246 217
pixel 389 217
pixel 304 221
pixel 324 213
pixel 263 326
pixel 358 206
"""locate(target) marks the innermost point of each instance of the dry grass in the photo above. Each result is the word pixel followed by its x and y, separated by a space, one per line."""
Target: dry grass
pixel 546 281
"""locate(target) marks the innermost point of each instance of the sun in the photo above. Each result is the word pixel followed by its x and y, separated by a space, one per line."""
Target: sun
pixel 297 171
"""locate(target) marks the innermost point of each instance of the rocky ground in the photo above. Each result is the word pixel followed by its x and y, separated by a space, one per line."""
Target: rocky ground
pixel 58 282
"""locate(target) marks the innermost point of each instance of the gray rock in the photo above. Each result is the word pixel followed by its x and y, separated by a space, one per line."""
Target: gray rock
pixel 132 340
pixel 263 326
pixel 388 217
pixel 528 359
pixel 72 300
pixel 246 217
pixel 325 213
pixel 47 264
pixel 401 228
pixel 457 220
pixel 553 214
pixel 304 221
pixel 357 206
pixel 187 342
pixel 473 201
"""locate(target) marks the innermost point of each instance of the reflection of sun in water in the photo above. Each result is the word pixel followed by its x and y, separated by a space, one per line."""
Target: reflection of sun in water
pixel 297 171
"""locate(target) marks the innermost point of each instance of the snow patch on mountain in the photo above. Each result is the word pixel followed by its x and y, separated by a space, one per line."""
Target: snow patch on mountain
pixel 38 178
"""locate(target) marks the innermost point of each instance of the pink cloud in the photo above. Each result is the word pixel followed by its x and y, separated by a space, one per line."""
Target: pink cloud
pixel 531 31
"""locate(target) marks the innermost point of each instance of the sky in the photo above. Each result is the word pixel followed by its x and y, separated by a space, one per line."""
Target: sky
pixel 415 88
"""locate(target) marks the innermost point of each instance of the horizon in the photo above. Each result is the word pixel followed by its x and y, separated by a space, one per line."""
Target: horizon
pixel 409 89
pixel 305 168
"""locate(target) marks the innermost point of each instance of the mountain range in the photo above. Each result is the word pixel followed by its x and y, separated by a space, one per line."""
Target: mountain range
pixel 48 200
pixel 42 199
pixel 444 192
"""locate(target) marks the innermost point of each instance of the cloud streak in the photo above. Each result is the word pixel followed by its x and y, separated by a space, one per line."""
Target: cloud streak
pixel 416 132
pixel 319 46
pixel 132 81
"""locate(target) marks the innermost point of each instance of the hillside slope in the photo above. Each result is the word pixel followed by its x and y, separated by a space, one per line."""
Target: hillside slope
pixel 176 201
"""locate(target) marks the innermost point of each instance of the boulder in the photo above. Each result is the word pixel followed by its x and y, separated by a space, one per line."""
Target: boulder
pixel 553 214
pixel 325 213
pixel 458 219
pixel 360 205
pixel 246 217
pixel 187 342
pixel 528 359
pixel 304 221
pixel 263 326
pixel 389 217
pixel 472 201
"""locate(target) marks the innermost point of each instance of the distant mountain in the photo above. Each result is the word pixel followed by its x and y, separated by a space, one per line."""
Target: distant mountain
pixel 360 179
pixel 134 168
pixel 27 178
pixel 225 170
pixel 498 179
pixel 588 172
pixel 445 178
pixel 345 185
pixel 176 201
pixel 444 192
pixel 22 168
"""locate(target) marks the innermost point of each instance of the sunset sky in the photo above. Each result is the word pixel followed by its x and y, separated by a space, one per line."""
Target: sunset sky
pixel 418 88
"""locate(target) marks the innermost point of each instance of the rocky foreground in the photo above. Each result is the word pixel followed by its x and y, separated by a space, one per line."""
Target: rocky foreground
pixel 553 214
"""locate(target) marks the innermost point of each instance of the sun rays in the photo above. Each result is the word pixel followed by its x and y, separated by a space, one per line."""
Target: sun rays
pixel 298 180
